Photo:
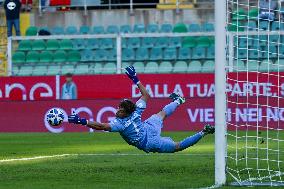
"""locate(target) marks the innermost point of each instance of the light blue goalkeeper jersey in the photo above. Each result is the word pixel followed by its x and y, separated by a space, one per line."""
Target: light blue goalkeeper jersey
pixel 132 128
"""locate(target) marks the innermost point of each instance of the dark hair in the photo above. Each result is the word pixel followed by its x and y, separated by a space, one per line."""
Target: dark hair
pixel 128 106
pixel 68 75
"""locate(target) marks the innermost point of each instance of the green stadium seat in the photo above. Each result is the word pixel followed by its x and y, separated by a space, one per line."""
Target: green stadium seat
pixel 251 25
pixel 38 45
pixel 128 54
pixel 25 70
pixel 59 56
pixel 124 42
pixel 107 43
pixel 78 44
pixel 207 27
pixel 210 52
pixel 198 53
pixel 254 53
pixel 175 42
pixel 67 68
pixel 265 66
pixel 109 68
pixel 148 42
pixel 253 13
pixel 236 26
pixel 45 57
pixel 98 30
pixel 40 70
pixel 274 67
pixel 87 55
pixel 97 68
pixel 57 30
pixel 245 42
pixel 162 42
pixel 194 67
pixel 170 53
pixel 180 28
pixel 18 57
pixel 125 64
pixel 180 67
pixel 15 70
pixel 31 31
pixel 152 28
pixel 151 67
pixel 264 25
pixel 165 67
pixel 73 56
pixel 239 14
pixel 276 26
pixel 275 39
pixel 125 29
pixel 281 51
pixel 133 42
pixel 252 65
pixel 184 53
pixel 166 28
pixel 25 45
pixel 139 28
pixel 112 55
pixel 66 44
pixel 194 28
pixel 53 70
pixel 112 29
pixel 270 51
pixel 239 66
pixel 139 67
pixel 279 64
pixel 189 42
pixel 241 53
pixel 208 66
pixel 93 43
pixel 81 69
pixel 71 30
pixel 52 45
pixel 203 42
pixel 142 54
pixel 156 53
pixel 32 57
pixel 101 55
pixel 84 30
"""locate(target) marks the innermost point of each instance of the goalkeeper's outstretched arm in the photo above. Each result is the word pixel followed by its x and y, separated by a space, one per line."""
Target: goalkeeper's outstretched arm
pixel 91 124
pixel 131 73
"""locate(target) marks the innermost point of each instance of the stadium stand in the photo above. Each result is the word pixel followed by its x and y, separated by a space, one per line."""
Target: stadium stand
pixel 148 54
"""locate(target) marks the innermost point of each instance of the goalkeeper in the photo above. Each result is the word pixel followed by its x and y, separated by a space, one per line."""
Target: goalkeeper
pixel 145 135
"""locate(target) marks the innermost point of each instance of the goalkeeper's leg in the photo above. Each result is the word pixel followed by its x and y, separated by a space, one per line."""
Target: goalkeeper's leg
pixel 170 108
pixel 167 145
pixel 190 141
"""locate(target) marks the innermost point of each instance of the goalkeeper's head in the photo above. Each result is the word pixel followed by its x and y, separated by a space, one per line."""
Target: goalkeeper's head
pixel 125 108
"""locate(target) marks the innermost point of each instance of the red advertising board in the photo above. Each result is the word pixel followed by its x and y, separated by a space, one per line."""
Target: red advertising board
pixel 30 116
pixel 158 85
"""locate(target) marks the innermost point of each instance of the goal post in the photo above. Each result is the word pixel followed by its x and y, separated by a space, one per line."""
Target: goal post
pixel 220 92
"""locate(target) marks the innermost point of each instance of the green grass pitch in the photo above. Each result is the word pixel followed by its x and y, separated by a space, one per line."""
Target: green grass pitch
pixel 101 160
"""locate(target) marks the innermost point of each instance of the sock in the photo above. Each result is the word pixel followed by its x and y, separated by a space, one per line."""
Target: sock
pixel 170 108
pixel 190 141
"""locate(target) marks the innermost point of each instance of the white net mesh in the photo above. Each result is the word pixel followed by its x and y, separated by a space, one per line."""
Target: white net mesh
pixel 255 91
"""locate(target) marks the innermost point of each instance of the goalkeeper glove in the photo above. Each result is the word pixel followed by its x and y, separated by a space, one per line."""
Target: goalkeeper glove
pixel 77 120
pixel 131 73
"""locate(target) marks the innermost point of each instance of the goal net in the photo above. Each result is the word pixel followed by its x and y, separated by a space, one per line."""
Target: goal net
pixel 255 91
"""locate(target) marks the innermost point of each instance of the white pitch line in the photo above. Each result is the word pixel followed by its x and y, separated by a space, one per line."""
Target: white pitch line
pixel 36 157
pixel 64 155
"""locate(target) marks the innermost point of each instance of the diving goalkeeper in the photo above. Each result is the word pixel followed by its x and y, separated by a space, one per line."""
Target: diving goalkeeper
pixel 145 135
